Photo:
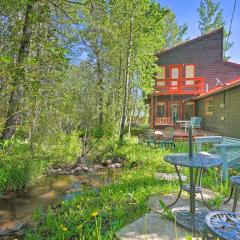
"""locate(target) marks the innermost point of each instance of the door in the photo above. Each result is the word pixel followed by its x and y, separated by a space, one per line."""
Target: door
pixel 175 111
pixel 161 109
pixel 175 75
pixel 189 110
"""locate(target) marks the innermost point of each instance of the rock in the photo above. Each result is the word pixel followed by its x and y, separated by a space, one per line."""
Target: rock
pixel 170 176
pixel 115 165
pixel 10 227
pixel 78 169
pixel 152 226
pixel 97 166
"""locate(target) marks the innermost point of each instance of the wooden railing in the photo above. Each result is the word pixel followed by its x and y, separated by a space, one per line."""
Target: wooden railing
pixel 180 86
pixel 164 121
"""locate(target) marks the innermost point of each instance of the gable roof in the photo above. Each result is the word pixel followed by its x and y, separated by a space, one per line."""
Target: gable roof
pixel 189 42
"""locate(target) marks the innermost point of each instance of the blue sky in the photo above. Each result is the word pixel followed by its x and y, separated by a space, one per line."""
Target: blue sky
pixel 186 12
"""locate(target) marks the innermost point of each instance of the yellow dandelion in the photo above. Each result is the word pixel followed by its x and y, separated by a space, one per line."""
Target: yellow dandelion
pixel 94 214
pixel 78 206
pixel 64 229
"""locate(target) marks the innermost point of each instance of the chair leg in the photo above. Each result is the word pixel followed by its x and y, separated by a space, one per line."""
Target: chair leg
pixel 205 234
pixel 230 196
pixel 235 199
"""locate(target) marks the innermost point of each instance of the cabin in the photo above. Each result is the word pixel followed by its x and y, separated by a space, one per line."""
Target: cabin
pixel 186 81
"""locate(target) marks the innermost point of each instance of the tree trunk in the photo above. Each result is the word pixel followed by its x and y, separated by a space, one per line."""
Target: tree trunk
pixel 127 80
pixel 100 85
pixel 17 92
pixel 132 114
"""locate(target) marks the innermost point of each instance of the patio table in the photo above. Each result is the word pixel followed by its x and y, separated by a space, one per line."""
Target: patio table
pixel 191 218
pixel 186 123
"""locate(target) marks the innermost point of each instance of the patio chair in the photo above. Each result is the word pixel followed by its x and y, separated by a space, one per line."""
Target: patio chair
pixel 148 137
pixel 167 139
pixel 222 225
pixel 194 122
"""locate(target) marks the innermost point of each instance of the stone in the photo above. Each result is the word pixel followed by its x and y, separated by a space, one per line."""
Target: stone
pixel 115 165
pixel 170 176
pixel 152 226
pixel 10 227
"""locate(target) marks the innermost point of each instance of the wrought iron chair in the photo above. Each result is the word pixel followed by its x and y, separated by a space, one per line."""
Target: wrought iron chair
pixel 222 225
pixel 235 185
pixel 168 139
pixel 148 137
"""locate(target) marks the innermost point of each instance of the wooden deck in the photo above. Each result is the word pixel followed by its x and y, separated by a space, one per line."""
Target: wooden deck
pixel 181 135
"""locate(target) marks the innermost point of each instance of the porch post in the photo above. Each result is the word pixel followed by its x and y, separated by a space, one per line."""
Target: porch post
pixel 151 112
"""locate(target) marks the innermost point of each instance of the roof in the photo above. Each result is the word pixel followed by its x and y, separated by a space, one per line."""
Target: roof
pixel 190 42
pixel 228 85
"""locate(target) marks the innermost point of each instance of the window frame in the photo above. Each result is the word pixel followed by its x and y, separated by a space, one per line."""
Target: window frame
pixel 164 67
pixel 165 108
pixel 206 100
pixel 194 70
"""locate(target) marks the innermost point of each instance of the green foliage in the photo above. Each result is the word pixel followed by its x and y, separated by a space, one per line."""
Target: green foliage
pixel 20 168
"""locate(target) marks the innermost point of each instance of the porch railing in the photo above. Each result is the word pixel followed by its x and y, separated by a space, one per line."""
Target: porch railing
pixel 163 121
pixel 192 86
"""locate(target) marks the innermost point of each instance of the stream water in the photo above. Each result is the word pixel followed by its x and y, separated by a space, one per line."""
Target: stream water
pixel 17 209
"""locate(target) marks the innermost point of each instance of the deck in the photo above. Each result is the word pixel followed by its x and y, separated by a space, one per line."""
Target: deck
pixel 180 134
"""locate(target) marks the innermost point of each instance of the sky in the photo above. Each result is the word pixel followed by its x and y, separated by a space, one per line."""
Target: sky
pixel 186 12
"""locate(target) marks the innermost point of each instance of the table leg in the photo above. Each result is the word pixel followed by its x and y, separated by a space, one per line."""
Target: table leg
pixel 192 197
pixel 235 199
pixel 191 218
pixel 180 187
pixel 230 196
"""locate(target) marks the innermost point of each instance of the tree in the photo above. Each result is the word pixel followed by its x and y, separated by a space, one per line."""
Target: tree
pixel 211 18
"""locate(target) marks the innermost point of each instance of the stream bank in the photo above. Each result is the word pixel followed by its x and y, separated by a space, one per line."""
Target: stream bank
pixel 17 209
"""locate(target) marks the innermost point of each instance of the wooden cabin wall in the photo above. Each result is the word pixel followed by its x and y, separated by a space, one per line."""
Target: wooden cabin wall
pixel 207 54
pixel 230 125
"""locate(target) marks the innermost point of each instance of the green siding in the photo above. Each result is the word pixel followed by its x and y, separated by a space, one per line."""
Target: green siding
pixel 230 126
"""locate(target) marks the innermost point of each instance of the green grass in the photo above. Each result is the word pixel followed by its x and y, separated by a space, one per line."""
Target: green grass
pixel 99 214
pixel 117 204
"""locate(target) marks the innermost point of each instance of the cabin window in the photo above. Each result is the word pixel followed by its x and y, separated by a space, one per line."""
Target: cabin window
pixel 208 103
pixel 174 73
pixel 161 74
pixel 189 71
pixel 161 109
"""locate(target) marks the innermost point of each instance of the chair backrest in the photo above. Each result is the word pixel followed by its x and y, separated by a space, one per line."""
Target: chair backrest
pixel 168 134
pixel 195 121
pixel 149 134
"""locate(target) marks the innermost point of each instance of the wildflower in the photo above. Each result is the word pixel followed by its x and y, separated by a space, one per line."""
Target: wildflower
pixel 65 229
pixel 94 214
pixel 78 206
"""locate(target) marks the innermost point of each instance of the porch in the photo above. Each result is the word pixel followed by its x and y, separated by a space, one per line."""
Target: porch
pixel 180 134
pixel 167 110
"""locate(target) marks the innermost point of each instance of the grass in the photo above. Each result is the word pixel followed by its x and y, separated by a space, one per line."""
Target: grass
pixel 99 214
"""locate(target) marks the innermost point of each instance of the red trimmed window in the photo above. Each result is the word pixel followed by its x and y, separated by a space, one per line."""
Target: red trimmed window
pixel 161 73
pixel 190 73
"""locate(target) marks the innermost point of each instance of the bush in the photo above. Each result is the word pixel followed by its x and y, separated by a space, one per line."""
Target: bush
pixel 21 166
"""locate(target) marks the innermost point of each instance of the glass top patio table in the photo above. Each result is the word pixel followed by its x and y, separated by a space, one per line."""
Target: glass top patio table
pixel 191 218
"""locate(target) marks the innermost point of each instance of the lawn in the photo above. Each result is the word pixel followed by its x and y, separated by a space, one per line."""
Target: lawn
pixel 99 214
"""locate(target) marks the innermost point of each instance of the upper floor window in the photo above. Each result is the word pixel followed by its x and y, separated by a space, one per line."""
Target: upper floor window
pixel 208 106
pixel 161 73
pixel 189 70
